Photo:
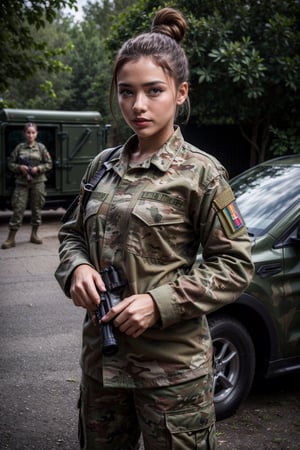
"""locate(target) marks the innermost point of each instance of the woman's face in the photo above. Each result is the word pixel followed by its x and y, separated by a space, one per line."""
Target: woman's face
pixel 30 135
pixel 148 99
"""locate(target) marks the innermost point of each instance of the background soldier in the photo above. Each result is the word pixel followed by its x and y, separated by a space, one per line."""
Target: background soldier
pixel 29 162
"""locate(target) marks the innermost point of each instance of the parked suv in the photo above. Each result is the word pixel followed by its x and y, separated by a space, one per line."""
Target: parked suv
pixel 259 335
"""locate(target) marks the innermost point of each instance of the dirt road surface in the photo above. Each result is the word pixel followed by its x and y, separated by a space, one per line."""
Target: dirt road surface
pixel 40 338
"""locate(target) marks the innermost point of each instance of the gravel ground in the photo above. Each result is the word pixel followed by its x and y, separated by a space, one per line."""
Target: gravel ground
pixel 269 418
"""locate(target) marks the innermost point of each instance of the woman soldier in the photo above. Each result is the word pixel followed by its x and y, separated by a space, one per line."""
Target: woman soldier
pixel 29 162
pixel 159 200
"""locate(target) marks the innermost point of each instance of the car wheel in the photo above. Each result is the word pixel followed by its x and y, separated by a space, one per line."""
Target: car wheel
pixel 234 364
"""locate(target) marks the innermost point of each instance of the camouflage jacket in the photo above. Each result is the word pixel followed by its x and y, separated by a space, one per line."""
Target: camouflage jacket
pixel 149 221
pixel 35 156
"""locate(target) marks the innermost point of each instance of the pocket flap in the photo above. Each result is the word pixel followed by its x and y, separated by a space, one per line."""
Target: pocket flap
pixel 189 420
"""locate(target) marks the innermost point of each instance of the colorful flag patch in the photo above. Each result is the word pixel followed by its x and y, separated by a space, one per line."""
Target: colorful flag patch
pixel 233 217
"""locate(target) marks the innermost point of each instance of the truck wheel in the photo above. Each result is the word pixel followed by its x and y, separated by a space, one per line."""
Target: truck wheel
pixel 234 363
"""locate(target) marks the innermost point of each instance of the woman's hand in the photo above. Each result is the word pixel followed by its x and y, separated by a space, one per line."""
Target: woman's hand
pixel 134 314
pixel 34 170
pixel 24 170
pixel 84 284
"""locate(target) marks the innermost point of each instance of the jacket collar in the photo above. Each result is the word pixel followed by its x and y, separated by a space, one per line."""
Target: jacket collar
pixel 163 158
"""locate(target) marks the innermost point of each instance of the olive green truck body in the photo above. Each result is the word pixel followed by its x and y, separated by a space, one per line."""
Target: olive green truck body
pixel 72 138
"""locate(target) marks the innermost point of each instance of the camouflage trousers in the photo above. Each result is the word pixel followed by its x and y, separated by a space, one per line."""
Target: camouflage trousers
pixel 34 192
pixel 177 417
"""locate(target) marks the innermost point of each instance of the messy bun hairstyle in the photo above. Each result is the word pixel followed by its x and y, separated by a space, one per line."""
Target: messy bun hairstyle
pixel 162 44
pixel 170 22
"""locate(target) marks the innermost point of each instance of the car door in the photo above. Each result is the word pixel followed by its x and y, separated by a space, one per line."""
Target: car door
pixel 291 317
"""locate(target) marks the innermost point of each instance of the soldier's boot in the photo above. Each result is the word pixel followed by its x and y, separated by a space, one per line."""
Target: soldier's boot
pixel 34 238
pixel 10 241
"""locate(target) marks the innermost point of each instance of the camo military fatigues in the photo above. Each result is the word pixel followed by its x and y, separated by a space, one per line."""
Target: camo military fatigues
pixel 149 220
pixel 26 188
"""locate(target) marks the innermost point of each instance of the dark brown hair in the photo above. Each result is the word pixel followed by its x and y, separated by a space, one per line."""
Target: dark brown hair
pixel 29 125
pixel 162 44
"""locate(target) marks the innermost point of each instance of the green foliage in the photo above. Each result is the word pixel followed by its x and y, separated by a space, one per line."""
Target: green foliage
pixel 84 85
pixel 89 79
pixel 22 52
pixel 244 65
pixel 244 61
pixel 285 141
pixel 248 54
pixel 134 20
pixel 44 90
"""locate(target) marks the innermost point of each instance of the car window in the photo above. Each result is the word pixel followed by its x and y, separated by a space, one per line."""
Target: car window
pixel 265 193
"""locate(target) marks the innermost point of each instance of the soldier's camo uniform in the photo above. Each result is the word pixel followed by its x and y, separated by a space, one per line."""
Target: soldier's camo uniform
pixel 26 188
pixel 148 220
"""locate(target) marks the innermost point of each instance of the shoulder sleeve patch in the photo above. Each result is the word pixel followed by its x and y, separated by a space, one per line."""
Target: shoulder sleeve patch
pixel 229 214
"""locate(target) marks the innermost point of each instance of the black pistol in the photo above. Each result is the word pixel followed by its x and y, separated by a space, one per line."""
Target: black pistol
pixel 113 283
pixel 27 163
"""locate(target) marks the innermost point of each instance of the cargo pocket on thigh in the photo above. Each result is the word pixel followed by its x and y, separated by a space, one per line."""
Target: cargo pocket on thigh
pixel 191 429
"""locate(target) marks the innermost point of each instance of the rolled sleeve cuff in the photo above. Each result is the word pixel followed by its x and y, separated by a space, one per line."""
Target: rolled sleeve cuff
pixel 167 304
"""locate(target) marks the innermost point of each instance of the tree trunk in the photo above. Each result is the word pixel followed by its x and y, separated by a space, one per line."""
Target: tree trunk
pixel 265 139
pixel 253 140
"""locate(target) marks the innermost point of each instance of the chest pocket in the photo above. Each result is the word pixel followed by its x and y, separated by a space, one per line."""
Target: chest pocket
pixel 159 211
pixel 32 155
pixel 158 226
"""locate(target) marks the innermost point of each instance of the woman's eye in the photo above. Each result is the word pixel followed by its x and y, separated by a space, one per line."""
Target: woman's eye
pixel 155 91
pixel 125 93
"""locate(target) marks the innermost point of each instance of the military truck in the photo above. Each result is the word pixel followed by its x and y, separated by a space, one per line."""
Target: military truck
pixel 72 138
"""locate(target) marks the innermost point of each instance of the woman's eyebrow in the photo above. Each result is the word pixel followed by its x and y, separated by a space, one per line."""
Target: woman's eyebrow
pixel 150 83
